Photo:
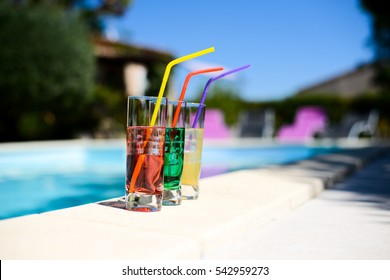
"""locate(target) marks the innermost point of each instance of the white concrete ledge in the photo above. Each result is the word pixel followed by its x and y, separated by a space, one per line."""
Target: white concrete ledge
pixel 229 205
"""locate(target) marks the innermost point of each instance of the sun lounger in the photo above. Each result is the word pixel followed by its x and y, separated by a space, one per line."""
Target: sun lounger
pixel 354 125
pixel 257 123
pixel 214 126
pixel 308 122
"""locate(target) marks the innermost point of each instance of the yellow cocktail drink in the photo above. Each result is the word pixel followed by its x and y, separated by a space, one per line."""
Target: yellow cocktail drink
pixel 192 163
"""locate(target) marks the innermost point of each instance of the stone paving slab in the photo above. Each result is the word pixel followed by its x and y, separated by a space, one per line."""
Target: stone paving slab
pixel 350 221
pixel 58 237
pixel 330 168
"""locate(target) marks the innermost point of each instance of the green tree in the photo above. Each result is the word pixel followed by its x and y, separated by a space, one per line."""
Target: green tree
pixel 92 16
pixel 380 13
pixel 46 74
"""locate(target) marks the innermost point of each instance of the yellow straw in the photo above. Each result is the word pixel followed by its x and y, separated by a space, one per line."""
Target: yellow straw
pixel 141 159
pixel 166 75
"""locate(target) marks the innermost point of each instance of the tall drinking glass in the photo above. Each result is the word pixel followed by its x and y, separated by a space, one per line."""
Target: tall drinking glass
pixel 145 154
pixel 174 152
pixel 192 151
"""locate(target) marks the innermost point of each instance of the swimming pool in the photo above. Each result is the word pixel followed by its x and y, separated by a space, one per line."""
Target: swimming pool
pixel 36 179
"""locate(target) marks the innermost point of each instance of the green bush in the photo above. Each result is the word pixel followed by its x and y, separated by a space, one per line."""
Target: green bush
pixel 108 108
pixel 46 74
pixel 336 107
pixel 226 99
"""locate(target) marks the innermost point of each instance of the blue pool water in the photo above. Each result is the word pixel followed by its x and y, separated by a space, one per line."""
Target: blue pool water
pixel 43 179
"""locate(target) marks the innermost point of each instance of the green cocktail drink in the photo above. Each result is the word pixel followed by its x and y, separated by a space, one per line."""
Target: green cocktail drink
pixel 173 158
pixel 174 152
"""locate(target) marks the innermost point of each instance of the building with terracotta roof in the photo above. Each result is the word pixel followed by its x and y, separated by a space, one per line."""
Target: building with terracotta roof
pixel 129 68
pixel 350 84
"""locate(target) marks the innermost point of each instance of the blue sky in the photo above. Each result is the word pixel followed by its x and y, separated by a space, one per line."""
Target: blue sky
pixel 290 44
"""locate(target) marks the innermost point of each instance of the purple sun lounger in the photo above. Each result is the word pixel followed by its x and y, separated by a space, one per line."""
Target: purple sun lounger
pixel 308 122
pixel 214 126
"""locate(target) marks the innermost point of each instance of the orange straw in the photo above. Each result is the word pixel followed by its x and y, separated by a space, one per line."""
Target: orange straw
pixel 141 159
pixel 183 90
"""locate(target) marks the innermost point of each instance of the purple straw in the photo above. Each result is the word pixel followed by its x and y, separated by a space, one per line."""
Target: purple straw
pixel 209 82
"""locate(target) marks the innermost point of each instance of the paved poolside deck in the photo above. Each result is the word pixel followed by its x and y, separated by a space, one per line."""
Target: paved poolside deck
pixel 349 221
pixel 266 213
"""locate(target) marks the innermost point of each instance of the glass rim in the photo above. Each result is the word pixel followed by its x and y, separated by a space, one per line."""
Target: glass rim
pixel 176 101
pixel 146 97
pixel 194 104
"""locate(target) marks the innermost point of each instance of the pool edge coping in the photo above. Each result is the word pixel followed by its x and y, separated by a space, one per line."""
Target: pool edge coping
pixel 293 191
